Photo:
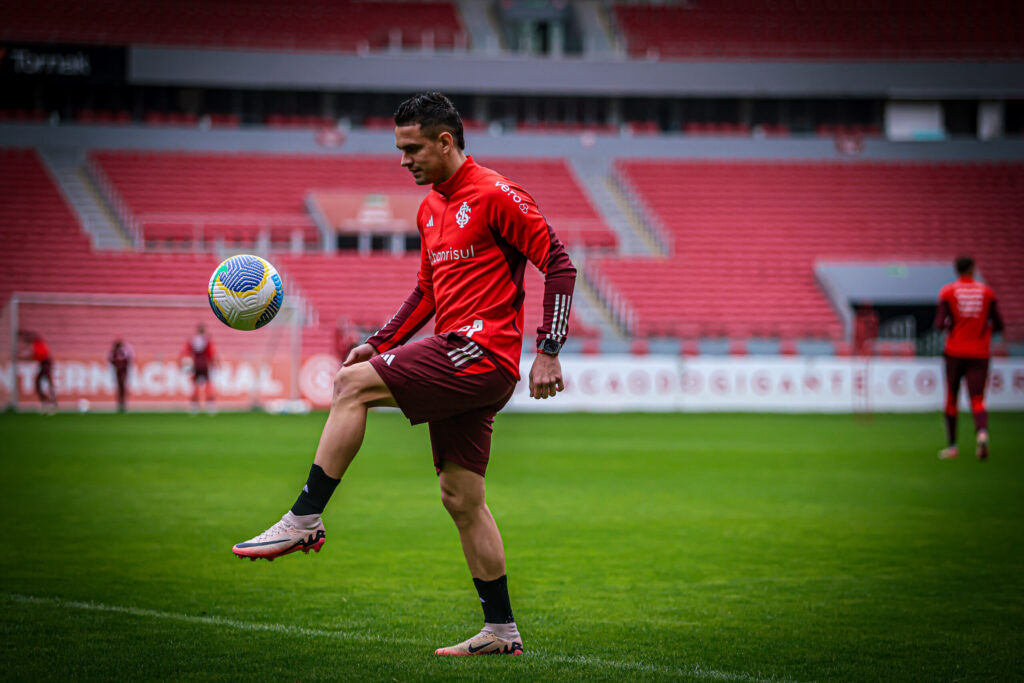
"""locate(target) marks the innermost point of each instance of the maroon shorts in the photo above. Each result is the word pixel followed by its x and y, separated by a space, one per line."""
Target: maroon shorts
pixel 974 370
pixel 456 386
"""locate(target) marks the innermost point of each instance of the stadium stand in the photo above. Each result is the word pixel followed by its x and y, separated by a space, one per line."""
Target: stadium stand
pixel 46 251
pixel 328 25
pixel 161 189
pixel 744 237
pixel 816 29
pixel 367 290
pixel 300 121
pixel 158 332
pixel 104 116
pixel 170 118
pixel 22 115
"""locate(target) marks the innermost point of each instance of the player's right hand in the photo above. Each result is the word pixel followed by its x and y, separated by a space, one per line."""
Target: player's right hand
pixel 358 354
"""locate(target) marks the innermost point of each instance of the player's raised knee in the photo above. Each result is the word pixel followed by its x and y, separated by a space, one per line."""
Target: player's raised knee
pixel 347 386
pixel 461 505
pixel 360 383
pixel 457 506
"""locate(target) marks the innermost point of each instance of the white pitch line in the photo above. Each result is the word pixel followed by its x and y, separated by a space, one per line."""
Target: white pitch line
pixel 286 629
pixel 695 671
pixel 290 630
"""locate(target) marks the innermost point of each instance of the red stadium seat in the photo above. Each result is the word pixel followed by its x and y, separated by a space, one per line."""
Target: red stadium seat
pixel 269 190
pixel 892 30
pixel 746 235
pixel 322 25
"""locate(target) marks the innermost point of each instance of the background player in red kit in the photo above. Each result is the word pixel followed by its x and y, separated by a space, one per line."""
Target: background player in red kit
pixel 36 348
pixel 478 230
pixel 967 308
pixel 199 354
pixel 121 356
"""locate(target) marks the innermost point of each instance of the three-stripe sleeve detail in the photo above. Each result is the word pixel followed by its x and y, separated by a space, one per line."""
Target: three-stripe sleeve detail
pixel 560 320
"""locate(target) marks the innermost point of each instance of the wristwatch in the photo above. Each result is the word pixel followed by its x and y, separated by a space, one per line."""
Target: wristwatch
pixel 549 346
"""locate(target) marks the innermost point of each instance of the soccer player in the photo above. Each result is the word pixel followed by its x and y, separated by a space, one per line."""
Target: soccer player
pixel 967 308
pixel 346 338
pixel 199 354
pixel 38 350
pixel 120 358
pixel 478 230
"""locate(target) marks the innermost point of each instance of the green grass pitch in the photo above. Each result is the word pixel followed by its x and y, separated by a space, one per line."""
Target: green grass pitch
pixel 655 547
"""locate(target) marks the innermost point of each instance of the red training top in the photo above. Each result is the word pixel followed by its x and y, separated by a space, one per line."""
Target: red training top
pixel 477 230
pixel 967 308
pixel 200 349
pixel 40 351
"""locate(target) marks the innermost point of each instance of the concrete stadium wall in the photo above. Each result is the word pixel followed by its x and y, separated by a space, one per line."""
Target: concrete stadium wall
pixel 624 383
pixel 597 147
pixel 605 383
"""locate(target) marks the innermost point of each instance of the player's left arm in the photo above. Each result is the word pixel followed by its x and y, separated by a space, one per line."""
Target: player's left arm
pixel 993 314
pixel 515 215
pixel 944 314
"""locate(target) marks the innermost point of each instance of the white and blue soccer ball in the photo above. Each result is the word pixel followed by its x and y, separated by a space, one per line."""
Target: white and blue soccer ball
pixel 245 292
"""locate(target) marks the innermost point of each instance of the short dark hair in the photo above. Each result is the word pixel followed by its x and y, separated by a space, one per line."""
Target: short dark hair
pixel 963 264
pixel 434 112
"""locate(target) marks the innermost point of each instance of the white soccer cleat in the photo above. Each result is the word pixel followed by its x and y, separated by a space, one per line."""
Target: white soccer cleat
pixel 982 451
pixel 292 533
pixel 948 453
pixel 484 643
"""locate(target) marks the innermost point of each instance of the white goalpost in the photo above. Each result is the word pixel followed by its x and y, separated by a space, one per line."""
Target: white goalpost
pixel 251 369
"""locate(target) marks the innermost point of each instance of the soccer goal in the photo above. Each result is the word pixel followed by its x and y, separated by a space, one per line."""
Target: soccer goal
pixel 251 369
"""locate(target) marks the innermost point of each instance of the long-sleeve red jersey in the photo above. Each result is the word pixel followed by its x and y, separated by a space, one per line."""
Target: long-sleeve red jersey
pixel 967 308
pixel 477 231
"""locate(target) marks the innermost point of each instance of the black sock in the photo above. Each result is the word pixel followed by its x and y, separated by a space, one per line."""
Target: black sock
pixel 315 493
pixel 494 600
pixel 950 429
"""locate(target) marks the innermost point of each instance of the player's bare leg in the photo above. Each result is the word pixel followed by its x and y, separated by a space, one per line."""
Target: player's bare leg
pixel 949 415
pixel 193 408
pixel 356 389
pixel 976 377
pixel 462 493
pixel 209 400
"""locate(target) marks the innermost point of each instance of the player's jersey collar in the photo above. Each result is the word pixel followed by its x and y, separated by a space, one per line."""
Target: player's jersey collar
pixel 449 186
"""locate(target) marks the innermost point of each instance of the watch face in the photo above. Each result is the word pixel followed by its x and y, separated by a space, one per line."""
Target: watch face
pixel 550 346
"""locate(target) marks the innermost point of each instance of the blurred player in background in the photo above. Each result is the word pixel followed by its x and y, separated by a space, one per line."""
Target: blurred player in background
pixel 199 358
pixel 346 338
pixel 967 308
pixel 121 357
pixel 478 230
pixel 35 348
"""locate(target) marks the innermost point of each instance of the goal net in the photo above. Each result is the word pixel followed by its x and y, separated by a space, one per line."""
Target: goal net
pixel 251 369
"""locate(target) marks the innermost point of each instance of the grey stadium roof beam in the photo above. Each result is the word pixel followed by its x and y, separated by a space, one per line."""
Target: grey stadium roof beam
pixel 509 74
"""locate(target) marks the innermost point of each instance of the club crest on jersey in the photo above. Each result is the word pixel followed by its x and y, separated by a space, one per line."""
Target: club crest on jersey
pixel 462 217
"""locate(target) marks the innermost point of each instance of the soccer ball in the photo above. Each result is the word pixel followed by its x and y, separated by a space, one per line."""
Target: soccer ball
pixel 245 292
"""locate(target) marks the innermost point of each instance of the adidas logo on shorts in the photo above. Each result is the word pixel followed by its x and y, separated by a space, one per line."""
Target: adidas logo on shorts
pixel 388 357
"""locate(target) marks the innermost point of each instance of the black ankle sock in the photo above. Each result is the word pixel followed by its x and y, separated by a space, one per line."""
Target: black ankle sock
pixel 950 429
pixel 494 600
pixel 315 493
